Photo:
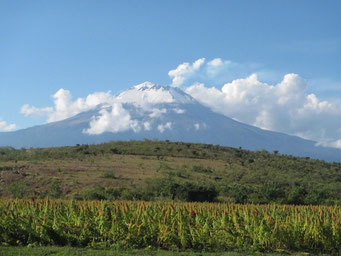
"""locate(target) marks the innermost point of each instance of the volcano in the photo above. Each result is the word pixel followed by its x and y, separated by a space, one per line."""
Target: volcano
pixel 151 111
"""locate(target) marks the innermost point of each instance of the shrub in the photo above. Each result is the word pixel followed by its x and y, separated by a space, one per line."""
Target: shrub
pixel 201 169
pixel 238 192
pixel 18 189
pixel 95 193
pixel 109 174
pixel 296 195
pixel 55 189
pixel 271 192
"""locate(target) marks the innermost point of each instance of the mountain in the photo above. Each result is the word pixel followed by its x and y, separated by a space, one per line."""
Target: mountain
pixel 164 113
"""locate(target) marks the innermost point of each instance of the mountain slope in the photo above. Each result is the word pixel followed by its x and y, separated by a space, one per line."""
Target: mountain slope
pixel 163 113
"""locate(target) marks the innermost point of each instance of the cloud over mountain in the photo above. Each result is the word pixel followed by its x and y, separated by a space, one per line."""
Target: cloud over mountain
pixel 113 116
pixel 4 126
pixel 65 107
pixel 184 71
pixel 285 106
pixel 115 120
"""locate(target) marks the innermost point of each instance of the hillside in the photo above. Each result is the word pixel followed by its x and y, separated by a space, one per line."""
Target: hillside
pixel 153 170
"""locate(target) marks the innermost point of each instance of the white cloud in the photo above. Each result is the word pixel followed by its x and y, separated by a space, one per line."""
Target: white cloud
pixel 284 107
pixel 215 62
pixel 156 112
pixel 198 126
pixel 184 70
pixel 64 107
pixel 28 110
pixel 116 120
pixel 163 127
pixel 179 110
pixel 215 72
pixel 287 106
pixel 144 95
pixel 147 126
pixel 333 144
pixel 4 126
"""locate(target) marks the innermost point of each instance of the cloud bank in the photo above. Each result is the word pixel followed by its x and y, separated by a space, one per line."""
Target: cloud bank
pixel 5 127
pixel 284 106
pixel 114 120
pixel 112 117
pixel 65 107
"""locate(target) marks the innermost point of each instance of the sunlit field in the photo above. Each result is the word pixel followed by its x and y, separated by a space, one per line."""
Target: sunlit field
pixel 170 226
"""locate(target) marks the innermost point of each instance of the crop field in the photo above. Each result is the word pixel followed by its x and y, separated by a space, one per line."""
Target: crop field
pixel 170 225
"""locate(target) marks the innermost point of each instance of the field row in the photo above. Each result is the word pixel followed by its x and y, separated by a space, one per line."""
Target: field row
pixel 171 226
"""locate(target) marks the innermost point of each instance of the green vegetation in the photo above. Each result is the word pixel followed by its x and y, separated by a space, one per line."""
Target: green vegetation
pixel 163 170
pixel 67 251
pixel 171 172
pixel 170 226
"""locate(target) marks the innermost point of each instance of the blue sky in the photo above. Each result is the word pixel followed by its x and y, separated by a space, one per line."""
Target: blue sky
pixel 90 46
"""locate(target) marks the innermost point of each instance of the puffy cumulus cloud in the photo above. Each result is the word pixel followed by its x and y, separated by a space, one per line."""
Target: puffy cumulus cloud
pixel 112 116
pixel 185 70
pixel 213 71
pixel 215 62
pixel 28 110
pixel 115 120
pixel 5 127
pixel 284 107
pixel 217 66
pixel 163 127
pixel 65 107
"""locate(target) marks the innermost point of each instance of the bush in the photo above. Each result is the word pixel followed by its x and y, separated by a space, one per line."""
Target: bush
pixel 133 195
pixel 96 193
pixel 109 174
pixel 101 193
pixel 271 192
pixel 296 195
pixel 190 192
pixel 201 169
pixel 55 190
pixel 316 197
pixel 238 192
pixel 18 189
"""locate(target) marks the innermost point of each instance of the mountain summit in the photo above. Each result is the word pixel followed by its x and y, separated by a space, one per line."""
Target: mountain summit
pixel 150 93
pixel 160 112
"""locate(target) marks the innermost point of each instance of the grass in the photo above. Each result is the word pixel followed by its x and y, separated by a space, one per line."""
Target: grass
pixel 67 251
pixel 76 175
